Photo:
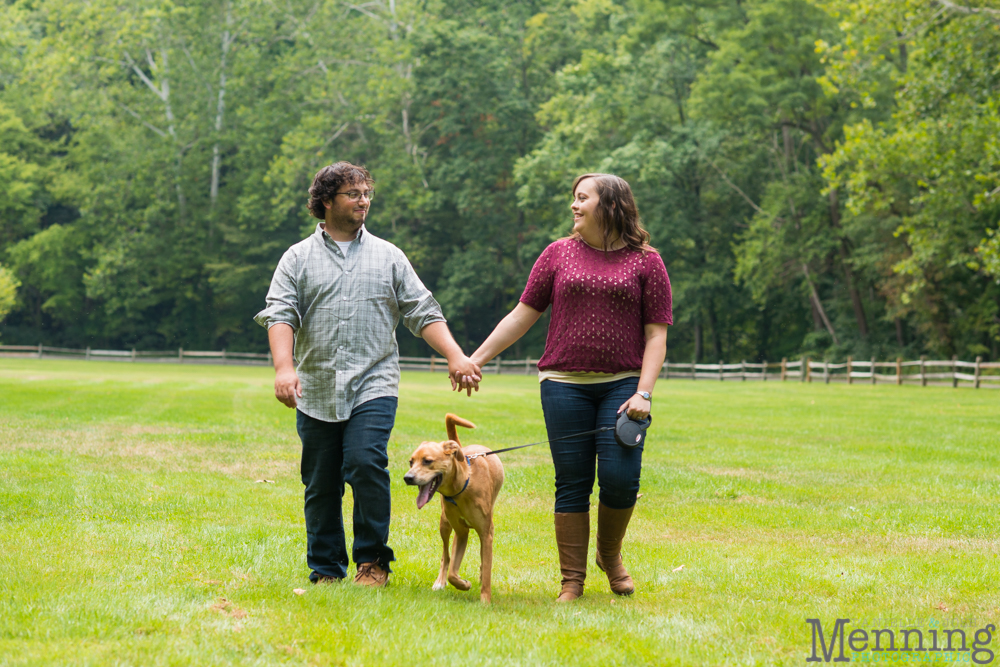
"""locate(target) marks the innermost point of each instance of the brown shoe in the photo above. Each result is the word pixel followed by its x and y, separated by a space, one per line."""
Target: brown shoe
pixel 370 574
pixel 611 526
pixel 323 579
pixel 573 538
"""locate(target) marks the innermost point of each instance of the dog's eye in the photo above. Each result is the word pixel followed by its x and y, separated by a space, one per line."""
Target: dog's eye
pixel 411 462
pixel 427 462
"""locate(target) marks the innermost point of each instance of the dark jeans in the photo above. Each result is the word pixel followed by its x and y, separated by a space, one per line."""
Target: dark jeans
pixel 352 451
pixel 574 408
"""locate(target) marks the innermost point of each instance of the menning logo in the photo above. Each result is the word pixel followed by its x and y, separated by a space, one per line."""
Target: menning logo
pixel 911 639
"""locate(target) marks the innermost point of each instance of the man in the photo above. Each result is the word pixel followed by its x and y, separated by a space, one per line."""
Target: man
pixel 335 301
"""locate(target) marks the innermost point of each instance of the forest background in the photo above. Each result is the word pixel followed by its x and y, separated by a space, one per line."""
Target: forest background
pixel 821 176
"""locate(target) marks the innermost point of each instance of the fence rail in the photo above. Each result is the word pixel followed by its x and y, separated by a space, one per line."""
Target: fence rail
pixel 180 355
pixel 925 372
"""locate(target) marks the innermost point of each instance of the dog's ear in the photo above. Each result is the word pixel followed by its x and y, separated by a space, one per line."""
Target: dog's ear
pixel 453 449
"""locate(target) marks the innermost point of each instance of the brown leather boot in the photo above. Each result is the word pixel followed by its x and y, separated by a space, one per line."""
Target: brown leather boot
pixel 611 526
pixel 573 538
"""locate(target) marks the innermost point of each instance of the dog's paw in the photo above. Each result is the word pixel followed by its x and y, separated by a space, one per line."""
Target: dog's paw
pixel 459 583
pixel 438 585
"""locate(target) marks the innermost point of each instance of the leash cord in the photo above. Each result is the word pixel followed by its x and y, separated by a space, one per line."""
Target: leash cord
pixel 565 437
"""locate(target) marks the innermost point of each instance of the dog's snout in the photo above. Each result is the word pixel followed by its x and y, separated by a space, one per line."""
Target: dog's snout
pixel 409 479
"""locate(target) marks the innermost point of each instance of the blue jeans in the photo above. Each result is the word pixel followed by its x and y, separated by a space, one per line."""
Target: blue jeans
pixel 575 408
pixel 352 451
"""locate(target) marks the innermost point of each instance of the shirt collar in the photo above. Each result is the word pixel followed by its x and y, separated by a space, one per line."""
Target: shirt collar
pixel 322 235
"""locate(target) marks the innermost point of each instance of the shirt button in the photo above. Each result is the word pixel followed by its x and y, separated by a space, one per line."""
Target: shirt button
pixel 345 298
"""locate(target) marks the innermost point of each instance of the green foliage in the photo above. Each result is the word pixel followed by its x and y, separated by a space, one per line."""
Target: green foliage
pixel 925 181
pixel 154 160
pixel 8 291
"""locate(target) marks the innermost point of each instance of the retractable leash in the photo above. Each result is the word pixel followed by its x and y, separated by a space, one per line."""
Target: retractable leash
pixel 565 437
pixel 629 433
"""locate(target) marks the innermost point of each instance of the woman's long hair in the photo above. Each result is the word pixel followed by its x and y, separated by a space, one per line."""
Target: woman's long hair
pixel 617 213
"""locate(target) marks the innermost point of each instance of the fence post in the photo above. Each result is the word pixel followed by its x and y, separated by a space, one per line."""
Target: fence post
pixel 721 378
pixel 133 354
pixel 826 371
pixel 763 370
pixel 806 374
pixel 899 371
pixel 666 369
pixel 498 364
pixel 743 370
pixel 87 357
pixel 432 363
pixel 873 370
pixel 694 370
pixel 39 350
pixel 784 368
pixel 850 369
pixel 954 371
pixel 270 361
pixel 923 374
pixel 223 356
pixel 180 355
pixel 979 360
pixel 527 366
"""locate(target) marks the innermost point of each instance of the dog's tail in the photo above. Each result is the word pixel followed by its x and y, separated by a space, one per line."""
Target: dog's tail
pixel 450 421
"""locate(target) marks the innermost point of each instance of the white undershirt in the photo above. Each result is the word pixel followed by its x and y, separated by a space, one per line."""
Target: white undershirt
pixel 344 245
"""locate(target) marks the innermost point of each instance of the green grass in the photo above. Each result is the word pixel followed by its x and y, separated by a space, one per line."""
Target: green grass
pixel 132 531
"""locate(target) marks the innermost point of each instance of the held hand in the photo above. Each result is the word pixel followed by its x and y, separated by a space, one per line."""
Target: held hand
pixel 636 406
pixel 464 374
pixel 287 387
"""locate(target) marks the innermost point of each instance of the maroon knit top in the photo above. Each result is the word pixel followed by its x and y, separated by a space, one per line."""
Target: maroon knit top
pixel 600 302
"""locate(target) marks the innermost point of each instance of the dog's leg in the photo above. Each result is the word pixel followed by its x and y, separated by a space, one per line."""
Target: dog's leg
pixel 461 541
pixel 486 564
pixel 442 579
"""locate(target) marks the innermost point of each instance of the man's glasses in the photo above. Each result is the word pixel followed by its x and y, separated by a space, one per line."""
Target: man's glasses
pixel 355 195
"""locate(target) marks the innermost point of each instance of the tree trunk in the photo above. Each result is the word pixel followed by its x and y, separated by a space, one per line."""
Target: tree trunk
pixel 698 342
pixel 716 338
pixel 818 305
pixel 817 322
pixel 845 256
pixel 220 109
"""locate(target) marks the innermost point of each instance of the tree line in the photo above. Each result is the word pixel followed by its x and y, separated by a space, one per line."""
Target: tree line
pixel 822 177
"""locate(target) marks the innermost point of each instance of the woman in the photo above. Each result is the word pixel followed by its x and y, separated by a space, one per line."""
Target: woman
pixel 610 298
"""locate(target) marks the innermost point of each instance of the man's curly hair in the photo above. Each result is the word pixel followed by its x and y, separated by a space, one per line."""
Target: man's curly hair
pixel 328 181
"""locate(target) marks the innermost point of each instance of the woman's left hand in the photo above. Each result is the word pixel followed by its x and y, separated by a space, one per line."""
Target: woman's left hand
pixel 636 406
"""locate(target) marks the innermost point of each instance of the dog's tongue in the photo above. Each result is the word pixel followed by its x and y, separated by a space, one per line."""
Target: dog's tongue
pixel 424 497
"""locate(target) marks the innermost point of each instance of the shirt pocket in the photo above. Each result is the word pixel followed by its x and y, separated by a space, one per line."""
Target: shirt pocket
pixel 376 285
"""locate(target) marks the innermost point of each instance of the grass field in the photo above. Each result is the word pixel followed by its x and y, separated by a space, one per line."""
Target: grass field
pixel 132 531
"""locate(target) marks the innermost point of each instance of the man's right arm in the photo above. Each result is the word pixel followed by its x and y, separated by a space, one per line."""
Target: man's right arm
pixel 281 319
pixel 287 388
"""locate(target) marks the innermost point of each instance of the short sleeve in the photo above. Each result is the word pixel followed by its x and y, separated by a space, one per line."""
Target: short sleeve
pixel 282 303
pixel 657 306
pixel 538 292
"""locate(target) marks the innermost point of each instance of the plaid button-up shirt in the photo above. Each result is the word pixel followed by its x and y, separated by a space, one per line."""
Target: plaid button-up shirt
pixel 344 311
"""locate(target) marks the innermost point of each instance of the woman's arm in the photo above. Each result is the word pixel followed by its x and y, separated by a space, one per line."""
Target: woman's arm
pixel 652 363
pixel 510 329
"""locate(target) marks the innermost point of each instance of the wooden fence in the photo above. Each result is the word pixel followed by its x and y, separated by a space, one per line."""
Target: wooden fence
pixel 180 356
pixel 952 373
pixel 925 372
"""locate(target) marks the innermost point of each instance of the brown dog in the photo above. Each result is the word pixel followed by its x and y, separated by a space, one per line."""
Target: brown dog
pixel 469 486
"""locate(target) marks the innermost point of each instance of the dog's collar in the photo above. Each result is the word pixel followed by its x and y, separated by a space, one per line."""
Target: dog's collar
pixel 451 499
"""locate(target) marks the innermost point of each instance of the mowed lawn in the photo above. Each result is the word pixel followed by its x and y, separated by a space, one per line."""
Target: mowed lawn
pixel 134 530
